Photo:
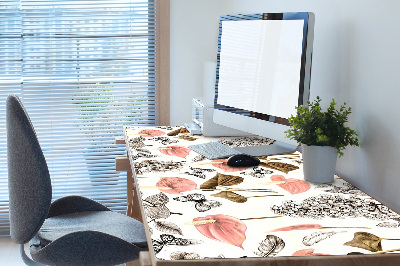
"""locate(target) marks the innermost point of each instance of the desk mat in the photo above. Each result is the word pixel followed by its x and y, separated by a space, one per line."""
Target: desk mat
pixel 198 208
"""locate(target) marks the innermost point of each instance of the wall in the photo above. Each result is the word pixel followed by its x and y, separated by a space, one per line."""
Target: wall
pixel 355 60
pixel 194 41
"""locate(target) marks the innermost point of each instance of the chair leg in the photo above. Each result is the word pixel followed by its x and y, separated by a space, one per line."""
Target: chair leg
pixel 26 259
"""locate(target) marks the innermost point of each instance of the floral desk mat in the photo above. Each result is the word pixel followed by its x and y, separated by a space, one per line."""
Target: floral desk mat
pixel 198 208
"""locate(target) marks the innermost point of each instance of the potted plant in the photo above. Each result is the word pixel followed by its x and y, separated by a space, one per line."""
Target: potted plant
pixel 323 136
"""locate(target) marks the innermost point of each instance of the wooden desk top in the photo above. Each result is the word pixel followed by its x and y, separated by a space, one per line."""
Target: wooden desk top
pixel 196 208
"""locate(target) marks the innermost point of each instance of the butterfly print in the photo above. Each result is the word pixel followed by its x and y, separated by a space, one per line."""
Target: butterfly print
pixel 258 172
pixel 137 143
pixel 164 140
pixel 199 158
pixel 148 166
pixel 198 172
pixel 165 127
pixel 142 153
pixel 202 204
pixel 166 239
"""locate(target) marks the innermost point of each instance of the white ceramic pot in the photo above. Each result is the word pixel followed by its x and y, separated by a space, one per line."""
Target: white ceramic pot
pixel 319 163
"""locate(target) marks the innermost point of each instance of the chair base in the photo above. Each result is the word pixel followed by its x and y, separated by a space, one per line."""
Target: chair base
pixel 26 259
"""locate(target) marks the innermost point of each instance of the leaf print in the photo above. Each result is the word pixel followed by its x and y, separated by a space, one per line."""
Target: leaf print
pixel 187 137
pixel 366 241
pixel 176 150
pixel 158 212
pixel 232 196
pixel 211 183
pixel 157 200
pixel 270 246
pixel 149 133
pixel 221 164
pixel 307 252
pixel 226 229
pixel 221 180
pixel 283 167
pixel 177 185
pixel 228 180
pixel 154 206
pixel 317 237
pixel 292 185
pixel 167 227
pixel 178 131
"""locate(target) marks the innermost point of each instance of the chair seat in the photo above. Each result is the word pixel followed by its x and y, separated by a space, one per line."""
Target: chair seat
pixel 108 222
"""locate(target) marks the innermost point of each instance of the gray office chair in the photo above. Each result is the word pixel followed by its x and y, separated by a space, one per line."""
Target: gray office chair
pixel 70 231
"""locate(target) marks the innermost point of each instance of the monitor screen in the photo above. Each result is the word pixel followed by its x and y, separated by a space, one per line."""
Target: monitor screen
pixel 263 71
pixel 260 64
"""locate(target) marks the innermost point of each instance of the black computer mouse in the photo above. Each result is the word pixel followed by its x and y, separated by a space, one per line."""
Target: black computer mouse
pixel 242 160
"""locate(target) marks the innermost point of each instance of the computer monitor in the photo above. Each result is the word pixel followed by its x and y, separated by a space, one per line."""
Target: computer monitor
pixel 263 72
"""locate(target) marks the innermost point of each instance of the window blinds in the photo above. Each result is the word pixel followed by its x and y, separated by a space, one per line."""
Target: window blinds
pixel 83 69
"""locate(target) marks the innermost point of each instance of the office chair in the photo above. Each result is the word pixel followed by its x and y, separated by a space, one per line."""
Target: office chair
pixel 70 231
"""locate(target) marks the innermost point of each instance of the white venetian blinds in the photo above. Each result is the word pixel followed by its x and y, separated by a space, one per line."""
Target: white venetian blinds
pixel 83 69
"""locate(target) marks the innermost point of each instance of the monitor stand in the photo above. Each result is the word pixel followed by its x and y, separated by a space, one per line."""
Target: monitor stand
pixel 275 148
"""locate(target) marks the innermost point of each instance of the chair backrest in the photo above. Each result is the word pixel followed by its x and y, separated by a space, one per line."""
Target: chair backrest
pixel 29 183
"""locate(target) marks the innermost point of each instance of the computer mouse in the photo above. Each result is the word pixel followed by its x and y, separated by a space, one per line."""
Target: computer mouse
pixel 238 160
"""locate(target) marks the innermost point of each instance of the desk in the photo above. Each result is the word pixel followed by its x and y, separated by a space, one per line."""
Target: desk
pixel 202 212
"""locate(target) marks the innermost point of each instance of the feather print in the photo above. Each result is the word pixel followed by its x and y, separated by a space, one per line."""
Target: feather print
pixel 167 227
pixel 270 246
pixel 297 227
pixel 317 237
pixel 166 240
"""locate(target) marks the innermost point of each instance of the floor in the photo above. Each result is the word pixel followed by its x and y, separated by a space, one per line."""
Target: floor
pixel 10 256
pixel 9 253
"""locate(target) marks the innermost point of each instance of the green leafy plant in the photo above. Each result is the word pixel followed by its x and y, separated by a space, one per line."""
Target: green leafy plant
pixel 312 126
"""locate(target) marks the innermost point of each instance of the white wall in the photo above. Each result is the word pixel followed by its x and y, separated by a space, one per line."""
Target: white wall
pixel 194 41
pixel 356 60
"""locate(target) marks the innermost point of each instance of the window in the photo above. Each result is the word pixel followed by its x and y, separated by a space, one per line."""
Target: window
pixel 83 69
